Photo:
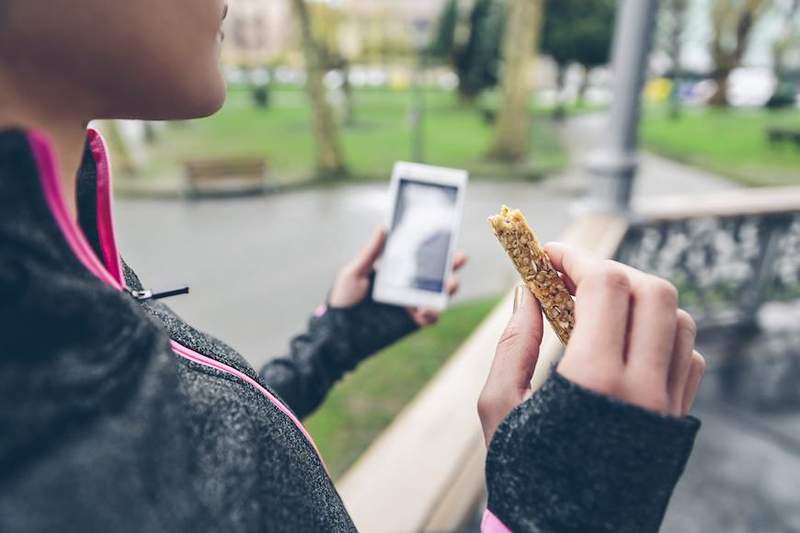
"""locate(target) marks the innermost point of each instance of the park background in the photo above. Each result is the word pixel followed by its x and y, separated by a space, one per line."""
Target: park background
pixel 324 97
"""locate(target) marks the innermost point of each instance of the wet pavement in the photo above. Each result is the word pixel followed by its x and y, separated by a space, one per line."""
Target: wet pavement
pixel 744 474
pixel 258 267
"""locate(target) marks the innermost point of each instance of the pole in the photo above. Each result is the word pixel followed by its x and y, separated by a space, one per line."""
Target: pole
pixel 418 113
pixel 418 106
pixel 613 169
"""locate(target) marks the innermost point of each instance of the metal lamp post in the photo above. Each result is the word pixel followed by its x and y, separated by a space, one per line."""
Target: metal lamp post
pixel 614 167
pixel 421 27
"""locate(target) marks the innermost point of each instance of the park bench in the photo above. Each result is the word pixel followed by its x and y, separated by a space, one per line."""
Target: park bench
pixel 781 135
pixel 224 177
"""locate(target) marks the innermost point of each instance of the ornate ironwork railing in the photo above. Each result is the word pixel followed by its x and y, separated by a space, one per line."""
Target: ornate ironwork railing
pixel 726 266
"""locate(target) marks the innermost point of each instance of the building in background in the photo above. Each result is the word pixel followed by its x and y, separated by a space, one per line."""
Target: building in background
pixel 368 31
pixel 258 32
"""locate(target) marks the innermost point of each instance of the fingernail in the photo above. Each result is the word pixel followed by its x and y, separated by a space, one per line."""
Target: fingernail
pixel 519 296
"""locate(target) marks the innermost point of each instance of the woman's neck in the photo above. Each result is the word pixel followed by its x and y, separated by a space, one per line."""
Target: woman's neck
pixel 67 136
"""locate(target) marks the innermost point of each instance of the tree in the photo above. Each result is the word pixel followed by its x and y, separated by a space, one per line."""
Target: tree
pixel 789 11
pixel 673 21
pixel 443 43
pixel 732 24
pixel 784 94
pixel 578 31
pixel 330 158
pixel 475 60
pixel 523 22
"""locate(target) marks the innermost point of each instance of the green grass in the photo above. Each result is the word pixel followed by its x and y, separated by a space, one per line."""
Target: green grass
pixel 365 403
pixel 455 135
pixel 730 142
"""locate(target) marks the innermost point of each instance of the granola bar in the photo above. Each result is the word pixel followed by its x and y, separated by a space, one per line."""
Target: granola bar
pixel 538 274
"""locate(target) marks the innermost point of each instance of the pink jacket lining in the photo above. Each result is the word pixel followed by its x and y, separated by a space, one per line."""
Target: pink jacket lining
pixel 111 271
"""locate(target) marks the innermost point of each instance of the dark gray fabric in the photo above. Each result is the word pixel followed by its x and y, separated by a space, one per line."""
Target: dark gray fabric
pixel 103 428
pixel 257 470
pixel 92 431
pixel 570 460
pixel 333 345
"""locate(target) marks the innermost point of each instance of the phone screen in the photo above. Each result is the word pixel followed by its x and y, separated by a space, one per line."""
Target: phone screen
pixel 424 223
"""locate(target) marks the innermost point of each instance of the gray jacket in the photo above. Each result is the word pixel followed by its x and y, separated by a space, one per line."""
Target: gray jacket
pixel 115 415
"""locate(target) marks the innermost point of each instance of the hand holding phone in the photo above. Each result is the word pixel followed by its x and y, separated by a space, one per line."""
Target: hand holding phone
pixel 423 221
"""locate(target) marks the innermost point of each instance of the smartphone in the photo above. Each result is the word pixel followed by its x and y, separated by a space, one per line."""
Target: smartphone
pixel 424 218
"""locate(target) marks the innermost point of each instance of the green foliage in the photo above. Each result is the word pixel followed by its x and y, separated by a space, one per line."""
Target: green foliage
pixel 443 44
pixel 476 59
pixel 367 401
pixel 578 31
pixel 478 62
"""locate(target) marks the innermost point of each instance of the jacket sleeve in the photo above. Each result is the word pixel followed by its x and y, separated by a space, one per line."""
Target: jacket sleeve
pixel 336 341
pixel 571 460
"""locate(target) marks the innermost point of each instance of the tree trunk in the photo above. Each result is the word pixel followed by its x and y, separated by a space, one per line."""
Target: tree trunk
pixel 519 50
pixel 678 9
pixel 330 158
pixel 559 110
pixel 742 19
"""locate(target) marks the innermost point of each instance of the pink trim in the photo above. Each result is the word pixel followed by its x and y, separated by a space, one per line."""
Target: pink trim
pixel 320 311
pixel 105 218
pixel 492 524
pixel 54 197
pixel 192 355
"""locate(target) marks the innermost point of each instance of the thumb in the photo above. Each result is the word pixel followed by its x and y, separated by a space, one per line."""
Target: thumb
pixel 365 261
pixel 518 349
pixel 509 381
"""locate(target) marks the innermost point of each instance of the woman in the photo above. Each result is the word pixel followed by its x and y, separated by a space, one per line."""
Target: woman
pixel 118 416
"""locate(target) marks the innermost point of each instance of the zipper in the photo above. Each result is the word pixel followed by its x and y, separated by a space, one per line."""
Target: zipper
pixel 145 295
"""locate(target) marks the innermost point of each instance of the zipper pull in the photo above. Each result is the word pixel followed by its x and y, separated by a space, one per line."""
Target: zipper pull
pixel 145 295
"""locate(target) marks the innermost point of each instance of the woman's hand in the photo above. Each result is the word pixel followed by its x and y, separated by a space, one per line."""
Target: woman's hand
pixel 630 342
pixel 354 281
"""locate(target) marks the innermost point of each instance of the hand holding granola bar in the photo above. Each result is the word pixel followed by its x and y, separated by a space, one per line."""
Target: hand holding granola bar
pixel 538 274
pixel 630 342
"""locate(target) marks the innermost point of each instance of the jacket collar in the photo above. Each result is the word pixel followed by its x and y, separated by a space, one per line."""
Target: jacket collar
pixel 31 193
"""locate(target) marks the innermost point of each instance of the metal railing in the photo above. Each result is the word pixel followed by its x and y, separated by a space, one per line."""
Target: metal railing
pixel 728 255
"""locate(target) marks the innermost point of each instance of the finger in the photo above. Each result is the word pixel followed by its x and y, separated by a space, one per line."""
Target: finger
pixel 696 371
pixel 453 285
pixel 568 282
pixel 459 260
pixel 365 261
pixel 652 330
pixel 575 265
pixel 681 360
pixel 424 317
pixel 518 349
pixel 604 295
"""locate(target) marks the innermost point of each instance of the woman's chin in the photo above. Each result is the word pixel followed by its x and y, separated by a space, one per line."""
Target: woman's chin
pixel 198 101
